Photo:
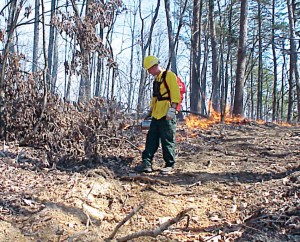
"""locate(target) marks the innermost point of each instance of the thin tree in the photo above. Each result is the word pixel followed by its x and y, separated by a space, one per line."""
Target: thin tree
pixel 228 56
pixel 36 37
pixel 195 99
pixel 144 46
pixel 214 62
pixel 294 75
pixel 45 85
pixel 204 70
pixel 15 10
pixel 260 65
pixel 131 77
pixel 274 102
pixel 241 62
pixel 98 84
pixel 170 37
pixel 51 47
pixel 85 81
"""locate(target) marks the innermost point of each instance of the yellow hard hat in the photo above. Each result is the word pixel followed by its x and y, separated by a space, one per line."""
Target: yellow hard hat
pixel 150 61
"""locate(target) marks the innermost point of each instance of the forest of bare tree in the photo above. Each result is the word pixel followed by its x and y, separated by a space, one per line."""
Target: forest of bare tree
pixel 73 91
pixel 239 56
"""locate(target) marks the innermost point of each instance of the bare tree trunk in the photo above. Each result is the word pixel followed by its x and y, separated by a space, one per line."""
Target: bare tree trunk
pixel 131 78
pixel 204 71
pixel 14 15
pixel 55 63
pixel 45 86
pixel 98 85
pixel 113 83
pixel 171 37
pixel 50 46
pixel 252 94
pixel 195 100
pixel 241 63
pixel 68 72
pixel 12 9
pixel 221 64
pixel 215 78
pixel 282 82
pixel 260 67
pixel 36 38
pixel 294 75
pixel 98 76
pixel 144 47
pixel 229 45
pixel 85 81
pixel 274 103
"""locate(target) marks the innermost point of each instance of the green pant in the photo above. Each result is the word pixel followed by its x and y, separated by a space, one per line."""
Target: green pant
pixel 160 130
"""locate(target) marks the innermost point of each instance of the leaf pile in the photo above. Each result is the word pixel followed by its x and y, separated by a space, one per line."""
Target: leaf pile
pixel 65 131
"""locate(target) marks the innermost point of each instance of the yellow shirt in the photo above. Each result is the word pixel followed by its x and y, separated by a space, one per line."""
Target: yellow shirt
pixel 160 108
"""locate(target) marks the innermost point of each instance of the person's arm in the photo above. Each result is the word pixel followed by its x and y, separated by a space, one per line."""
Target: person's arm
pixel 171 80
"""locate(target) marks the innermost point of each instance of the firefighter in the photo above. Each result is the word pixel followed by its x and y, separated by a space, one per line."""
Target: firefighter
pixel 163 112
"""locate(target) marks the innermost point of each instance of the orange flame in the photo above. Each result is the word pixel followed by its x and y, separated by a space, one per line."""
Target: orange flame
pixel 260 121
pixel 284 124
pixel 193 121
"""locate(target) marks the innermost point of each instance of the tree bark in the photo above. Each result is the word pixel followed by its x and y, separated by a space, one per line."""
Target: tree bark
pixel 85 82
pixel 36 38
pixel 228 57
pixel 172 53
pixel 260 66
pixel 274 101
pixel 241 63
pixel 131 77
pixel 51 46
pixel 98 85
pixel 294 75
pixel 204 71
pixel 214 53
pixel 195 100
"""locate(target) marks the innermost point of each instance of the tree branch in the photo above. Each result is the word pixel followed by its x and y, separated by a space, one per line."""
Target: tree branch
pixel 133 212
pixel 154 233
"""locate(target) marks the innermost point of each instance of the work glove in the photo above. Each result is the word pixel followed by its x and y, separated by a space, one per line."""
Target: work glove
pixel 148 115
pixel 171 114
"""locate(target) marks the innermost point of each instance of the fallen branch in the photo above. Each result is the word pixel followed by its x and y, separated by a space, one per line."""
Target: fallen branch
pixel 133 212
pixel 154 233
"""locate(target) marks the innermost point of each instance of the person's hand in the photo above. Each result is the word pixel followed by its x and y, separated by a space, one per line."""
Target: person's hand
pixel 148 115
pixel 171 114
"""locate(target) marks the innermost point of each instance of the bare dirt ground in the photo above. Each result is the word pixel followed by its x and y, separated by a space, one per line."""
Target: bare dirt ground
pixel 236 182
